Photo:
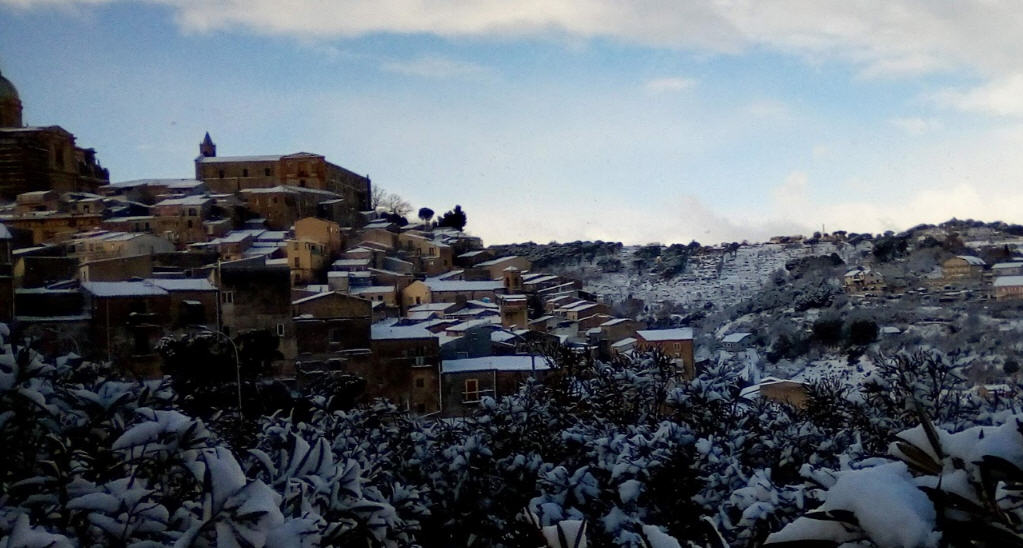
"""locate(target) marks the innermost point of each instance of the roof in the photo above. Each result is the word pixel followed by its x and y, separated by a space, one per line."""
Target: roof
pixel 1007 281
pixel 123 289
pixel 229 159
pixel 383 332
pixel 496 363
pixel 1000 266
pixel 434 307
pixel 735 337
pixel 442 286
pixel 614 321
pixel 279 188
pixel 5 234
pixel 658 335
pixel 182 284
pixel 183 201
pixel 974 261
pixel 372 289
pixel 628 341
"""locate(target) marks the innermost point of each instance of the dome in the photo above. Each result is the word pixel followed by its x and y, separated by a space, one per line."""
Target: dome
pixel 7 89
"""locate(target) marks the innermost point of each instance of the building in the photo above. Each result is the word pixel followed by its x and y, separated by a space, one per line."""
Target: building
pixel 962 267
pixel 406 367
pixel 256 296
pixel 465 382
pixel 440 291
pixel 229 174
pixel 1008 288
pixel 37 158
pixel 674 343
pixel 863 280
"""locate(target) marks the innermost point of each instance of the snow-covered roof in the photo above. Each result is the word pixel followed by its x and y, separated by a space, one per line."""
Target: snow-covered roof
pixel 183 201
pixel 5 234
pixel 735 337
pixel 385 332
pixel 659 335
pixel 183 284
pixel 443 286
pixel 1001 266
pixel 974 261
pixel 628 341
pixel 495 363
pixel 372 289
pixel 614 321
pixel 123 289
pixel 1008 281
pixel 432 307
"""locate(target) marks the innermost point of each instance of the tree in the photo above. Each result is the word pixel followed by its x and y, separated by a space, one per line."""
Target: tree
pixel 455 219
pixel 390 202
pixel 425 214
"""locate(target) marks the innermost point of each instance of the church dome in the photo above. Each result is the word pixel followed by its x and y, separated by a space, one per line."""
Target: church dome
pixel 7 89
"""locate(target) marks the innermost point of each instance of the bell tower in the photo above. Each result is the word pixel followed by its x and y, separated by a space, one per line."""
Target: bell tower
pixel 207 148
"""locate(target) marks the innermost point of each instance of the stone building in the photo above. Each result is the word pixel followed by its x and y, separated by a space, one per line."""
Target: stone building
pixel 34 158
pixel 228 174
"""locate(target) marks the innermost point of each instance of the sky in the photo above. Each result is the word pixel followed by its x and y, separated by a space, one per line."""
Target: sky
pixel 560 120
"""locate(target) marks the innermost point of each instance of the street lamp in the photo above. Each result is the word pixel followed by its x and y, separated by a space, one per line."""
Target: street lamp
pixel 237 365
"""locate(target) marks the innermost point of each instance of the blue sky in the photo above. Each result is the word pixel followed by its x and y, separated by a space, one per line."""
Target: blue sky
pixel 564 119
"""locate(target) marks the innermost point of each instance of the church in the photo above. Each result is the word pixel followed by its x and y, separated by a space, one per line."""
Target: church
pixel 36 158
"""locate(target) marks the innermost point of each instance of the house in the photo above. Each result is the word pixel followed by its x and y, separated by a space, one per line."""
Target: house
pixel 307 259
pixel 436 291
pixel 282 206
pixel 127 320
pixel 736 342
pixel 863 280
pixel 255 295
pixel 180 220
pixel 55 319
pixel 465 382
pixel 101 244
pixel 675 343
pixel 962 267
pixel 193 301
pixel 329 324
pixel 406 367
pixel 322 231
pixel 1008 288
pixel 494 268
pixel 1014 268
pixel 788 392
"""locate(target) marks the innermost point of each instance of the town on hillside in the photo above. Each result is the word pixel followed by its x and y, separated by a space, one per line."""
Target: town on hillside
pixel 290 247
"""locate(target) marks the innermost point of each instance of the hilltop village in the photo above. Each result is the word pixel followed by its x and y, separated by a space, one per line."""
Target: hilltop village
pixel 287 246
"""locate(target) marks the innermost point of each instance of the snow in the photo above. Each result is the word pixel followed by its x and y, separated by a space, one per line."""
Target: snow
pixel 658 539
pixel 381 332
pixel 661 335
pixel 123 289
pixel 495 363
pixel 886 501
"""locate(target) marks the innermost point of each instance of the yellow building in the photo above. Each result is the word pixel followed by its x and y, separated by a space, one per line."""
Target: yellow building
pixel 306 259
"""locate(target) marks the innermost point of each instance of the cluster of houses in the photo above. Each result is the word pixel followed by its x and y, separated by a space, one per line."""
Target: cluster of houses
pixel 288 246
pixel 959 275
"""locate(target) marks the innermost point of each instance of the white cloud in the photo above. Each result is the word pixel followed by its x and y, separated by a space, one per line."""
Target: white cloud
pixel 1002 97
pixel 916 125
pixel 769 108
pixel 892 38
pixel 434 66
pixel 671 84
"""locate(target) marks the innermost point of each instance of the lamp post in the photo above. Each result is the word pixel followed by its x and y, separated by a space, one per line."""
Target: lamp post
pixel 237 365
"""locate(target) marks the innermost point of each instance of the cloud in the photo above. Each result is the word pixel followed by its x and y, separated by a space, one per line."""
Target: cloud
pixel 899 37
pixel 1001 97
pixel 671 84
pixel 769 108
pixel 916 125
pixel 433 66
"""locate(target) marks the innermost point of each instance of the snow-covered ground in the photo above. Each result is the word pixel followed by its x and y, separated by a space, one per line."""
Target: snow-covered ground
pixel 716 276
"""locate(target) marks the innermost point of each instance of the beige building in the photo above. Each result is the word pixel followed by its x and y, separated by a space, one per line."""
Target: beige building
pixel 180 220
pixel 862 280
pixel 1008 288
pixel 227 174
pixel 962 267
pixel 306 259
pixel 674 343
pixel 92 246
pixel 328 233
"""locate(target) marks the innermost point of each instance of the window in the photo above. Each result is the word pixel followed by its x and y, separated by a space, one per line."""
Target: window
pixel 297 263
pixel 220 174
pixel 420 382
pixel 245 172
pixel 472 391
pixel 227 297
pixel 301 182
pixel 280 330
pixel 266 172
pixel 190 223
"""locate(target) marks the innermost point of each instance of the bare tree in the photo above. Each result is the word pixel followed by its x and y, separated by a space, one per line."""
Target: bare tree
pixel 389 201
